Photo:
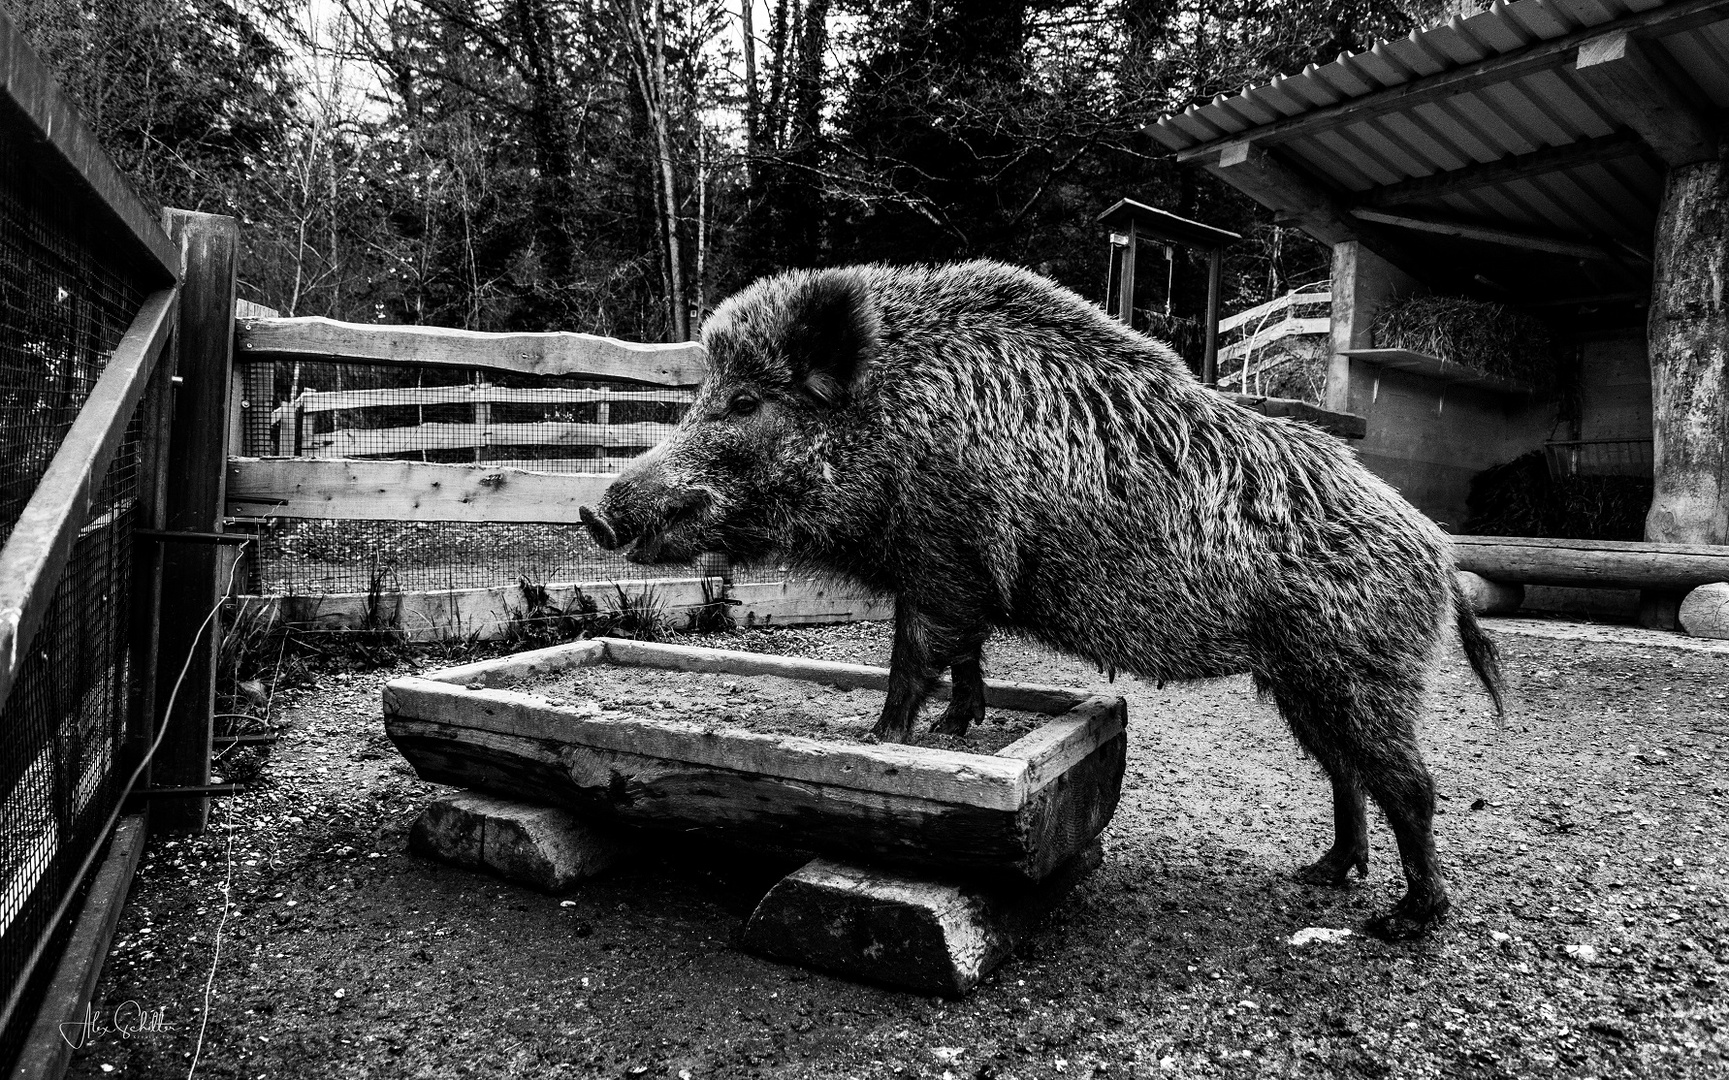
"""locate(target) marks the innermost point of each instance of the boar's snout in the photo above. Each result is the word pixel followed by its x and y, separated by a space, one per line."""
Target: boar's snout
pixel 645 513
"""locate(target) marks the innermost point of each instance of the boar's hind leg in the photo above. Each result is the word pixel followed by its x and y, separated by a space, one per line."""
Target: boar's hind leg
pixel 967 692
pixel 923 647
pixel 1366 742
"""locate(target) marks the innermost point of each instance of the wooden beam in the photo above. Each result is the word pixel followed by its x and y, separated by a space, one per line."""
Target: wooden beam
pixel 30 98
pixel 1493 234
pixel 407 491
pixel 1274 184
pixel 1164 226
pixel 1507 170
pixel 48 1046
pixel 1608 564
pixel 1631 88
pixel 680 364
pixel 35 554
pixel 367 442
pixel 197 454
pixel 454 614
pixel 315 401
pixel 1662 19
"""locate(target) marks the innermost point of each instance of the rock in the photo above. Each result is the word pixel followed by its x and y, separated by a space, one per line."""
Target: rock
pixel 1489 597
pixel 1585 954
pixel 930 936
pixel 1705 611
pixel 542 847
pixel 1326 935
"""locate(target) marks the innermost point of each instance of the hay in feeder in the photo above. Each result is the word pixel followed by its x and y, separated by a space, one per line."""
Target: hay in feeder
pixel 1486 337
pixel 1522 498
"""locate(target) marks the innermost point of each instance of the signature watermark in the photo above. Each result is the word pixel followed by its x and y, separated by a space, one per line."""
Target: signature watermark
pixel 129 1020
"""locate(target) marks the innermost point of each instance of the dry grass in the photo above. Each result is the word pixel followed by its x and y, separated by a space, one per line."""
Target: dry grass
pixel 1486 337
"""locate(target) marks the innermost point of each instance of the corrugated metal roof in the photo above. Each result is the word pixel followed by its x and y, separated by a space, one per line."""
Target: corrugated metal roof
pixel 1383 129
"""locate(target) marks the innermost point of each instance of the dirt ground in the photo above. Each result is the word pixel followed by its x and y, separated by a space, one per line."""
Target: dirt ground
pixel 764 704
pixel 1584 840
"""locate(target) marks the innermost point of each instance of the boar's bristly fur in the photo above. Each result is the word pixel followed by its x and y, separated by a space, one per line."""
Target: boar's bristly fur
pixel 995 451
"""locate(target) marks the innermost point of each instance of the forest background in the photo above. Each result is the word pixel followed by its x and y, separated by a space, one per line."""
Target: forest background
pixel 620 166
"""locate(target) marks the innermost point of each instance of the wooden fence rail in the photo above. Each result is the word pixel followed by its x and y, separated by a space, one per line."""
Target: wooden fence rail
pixel 321 401
pixel 681 364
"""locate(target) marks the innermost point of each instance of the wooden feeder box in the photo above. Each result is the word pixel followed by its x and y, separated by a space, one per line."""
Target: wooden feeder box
pixel 1016 815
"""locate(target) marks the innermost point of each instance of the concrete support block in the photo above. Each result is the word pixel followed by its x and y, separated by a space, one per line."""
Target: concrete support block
pixel 539 846
pixel 1705 611
pixel 929 936
pixel 1490 597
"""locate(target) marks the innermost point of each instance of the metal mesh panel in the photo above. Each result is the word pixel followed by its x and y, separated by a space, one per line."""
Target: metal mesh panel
pixel 65 302
pixel 63 307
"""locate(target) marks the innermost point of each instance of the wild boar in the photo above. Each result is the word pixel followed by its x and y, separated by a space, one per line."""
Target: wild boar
pixel 994 451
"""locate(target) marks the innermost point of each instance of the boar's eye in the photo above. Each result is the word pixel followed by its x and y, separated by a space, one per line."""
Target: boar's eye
pixel 744 403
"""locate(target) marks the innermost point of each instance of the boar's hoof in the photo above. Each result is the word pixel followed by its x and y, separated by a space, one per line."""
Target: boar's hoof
pixel 1334 868
pixel 598 528
pixel 957 718
pixel 1409 920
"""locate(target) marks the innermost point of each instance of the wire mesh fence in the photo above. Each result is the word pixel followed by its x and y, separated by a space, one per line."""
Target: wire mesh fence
pixel 63 308
pixel 454 415
pixel 440 414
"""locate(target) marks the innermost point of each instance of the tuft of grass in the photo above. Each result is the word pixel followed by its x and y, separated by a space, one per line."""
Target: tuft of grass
pixel 714 614
pixel 541 621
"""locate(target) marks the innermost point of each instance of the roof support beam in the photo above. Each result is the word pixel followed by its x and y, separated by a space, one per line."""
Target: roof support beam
pixel 1509 169
pixel 1631 88
pixel 1283 189
pixel 1494 234
pixel 1312 206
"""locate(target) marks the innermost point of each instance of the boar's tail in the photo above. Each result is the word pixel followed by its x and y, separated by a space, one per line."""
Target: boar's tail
pixel 1480 650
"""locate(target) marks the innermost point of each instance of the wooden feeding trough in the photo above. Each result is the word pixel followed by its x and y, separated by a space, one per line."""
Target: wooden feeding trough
pixel 932 862
pixel 1017 814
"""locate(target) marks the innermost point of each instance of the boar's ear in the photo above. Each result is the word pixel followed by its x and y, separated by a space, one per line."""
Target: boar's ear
pixel 830 336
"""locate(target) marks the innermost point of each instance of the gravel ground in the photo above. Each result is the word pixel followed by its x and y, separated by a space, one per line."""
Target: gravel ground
pixel 1584 842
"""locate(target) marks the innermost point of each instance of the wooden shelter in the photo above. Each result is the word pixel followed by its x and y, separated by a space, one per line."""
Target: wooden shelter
pixel 1559 156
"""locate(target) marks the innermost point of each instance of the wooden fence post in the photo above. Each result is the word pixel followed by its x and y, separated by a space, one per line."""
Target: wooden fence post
pixel 197 471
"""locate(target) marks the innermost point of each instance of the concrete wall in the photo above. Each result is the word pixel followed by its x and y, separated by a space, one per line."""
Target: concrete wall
pixel 1426 438
pixel 1615 380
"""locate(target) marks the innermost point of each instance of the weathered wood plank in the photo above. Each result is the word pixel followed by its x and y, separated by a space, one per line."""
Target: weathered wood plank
pixel 316 401
pixel 406 491
pixel 68 146
pixel 1276 304
pixel 197 453
pixel 1631 88
pixel 361 442
pixel 1527 560
pixel 1523 239
pixel 314 338
pixel 35 553
pixel 48 1046
pixel 488 613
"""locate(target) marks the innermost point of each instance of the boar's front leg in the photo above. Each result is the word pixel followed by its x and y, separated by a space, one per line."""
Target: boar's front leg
pixel 923 646
pixel 967 693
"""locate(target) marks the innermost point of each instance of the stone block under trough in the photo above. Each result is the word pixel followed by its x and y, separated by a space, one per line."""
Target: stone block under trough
pixel 542 847
pixel 931 936
pixel 522 726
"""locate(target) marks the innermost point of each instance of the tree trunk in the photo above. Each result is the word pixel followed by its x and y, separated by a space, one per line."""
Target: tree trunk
pixel 1689 343
pixel 752 106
